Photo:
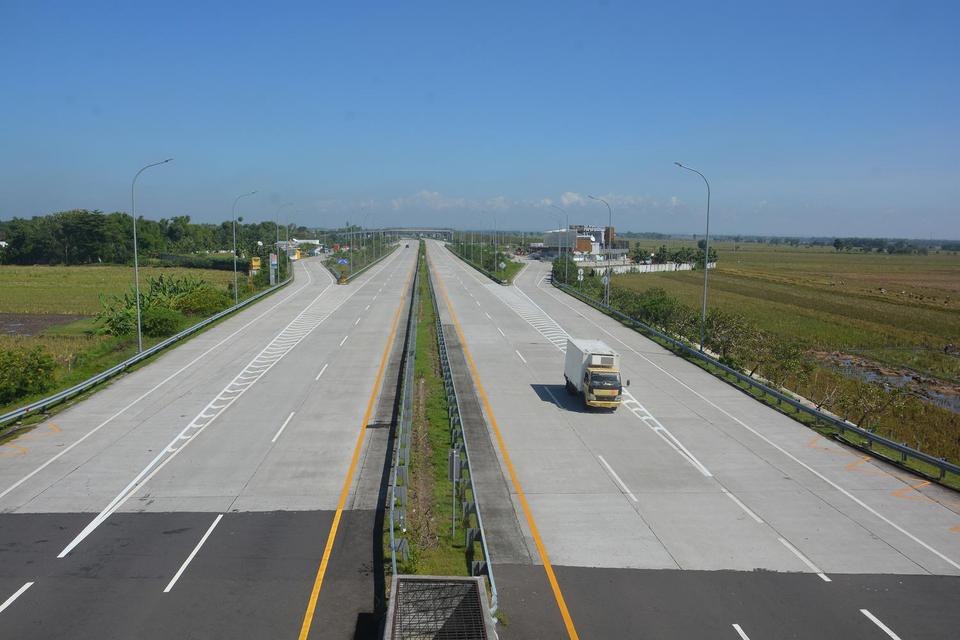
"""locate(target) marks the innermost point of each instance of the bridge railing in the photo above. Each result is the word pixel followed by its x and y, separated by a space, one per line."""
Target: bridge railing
pixel 895 452
pixel 89 383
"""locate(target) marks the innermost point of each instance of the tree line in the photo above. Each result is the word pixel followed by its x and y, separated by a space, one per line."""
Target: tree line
pixel 88 237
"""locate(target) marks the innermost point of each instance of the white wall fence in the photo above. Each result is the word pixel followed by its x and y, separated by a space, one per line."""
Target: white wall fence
pixel 629 267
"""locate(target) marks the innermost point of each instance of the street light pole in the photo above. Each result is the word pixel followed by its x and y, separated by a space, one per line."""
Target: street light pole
pixel 609 245
pixel 236 292
pixel 565 232
pixel 706 254
pixel 277 225
pixel 136 261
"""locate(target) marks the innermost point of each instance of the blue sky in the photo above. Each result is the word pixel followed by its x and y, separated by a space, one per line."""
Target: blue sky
pixel 820 118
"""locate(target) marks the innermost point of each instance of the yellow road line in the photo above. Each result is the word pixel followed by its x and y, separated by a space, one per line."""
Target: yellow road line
pixel 547 567
pixel 345 491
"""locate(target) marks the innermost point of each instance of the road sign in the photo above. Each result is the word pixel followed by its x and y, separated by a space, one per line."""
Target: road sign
pixel 606 280
pixel 503 265
pixel 580 273
pixel 342 261
pixel 273 259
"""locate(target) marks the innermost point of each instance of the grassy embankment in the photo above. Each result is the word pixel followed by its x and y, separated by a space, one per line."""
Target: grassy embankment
pixel 433 548
pixel 36 292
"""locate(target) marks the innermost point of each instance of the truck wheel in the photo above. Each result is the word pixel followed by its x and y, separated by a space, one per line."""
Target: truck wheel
pixel 570 390
pixel 586 407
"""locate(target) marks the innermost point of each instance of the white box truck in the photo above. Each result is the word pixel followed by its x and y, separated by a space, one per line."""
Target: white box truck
pixel 592 370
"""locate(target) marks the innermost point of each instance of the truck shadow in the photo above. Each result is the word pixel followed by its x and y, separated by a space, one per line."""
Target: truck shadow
pixel 556 394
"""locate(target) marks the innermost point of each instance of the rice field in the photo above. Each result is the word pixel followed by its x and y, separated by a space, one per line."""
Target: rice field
pixel 898 310
pixel 76 290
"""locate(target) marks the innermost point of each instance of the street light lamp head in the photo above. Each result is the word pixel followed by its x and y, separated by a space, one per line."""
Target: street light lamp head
pixel 678 164
pixel 167 160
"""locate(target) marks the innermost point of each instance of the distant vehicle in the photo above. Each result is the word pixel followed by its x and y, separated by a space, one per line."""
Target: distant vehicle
pixel 406 246
pixel 592 370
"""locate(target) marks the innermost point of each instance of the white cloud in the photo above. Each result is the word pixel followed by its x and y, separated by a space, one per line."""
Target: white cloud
pixel 569 198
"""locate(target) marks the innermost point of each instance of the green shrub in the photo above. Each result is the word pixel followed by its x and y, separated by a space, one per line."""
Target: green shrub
pixel 161 321
pixel 202 301
pixel 24 372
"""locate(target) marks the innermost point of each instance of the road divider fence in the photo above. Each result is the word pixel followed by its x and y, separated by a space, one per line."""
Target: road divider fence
pixel 400 459
pixel 937 469
pixel 465 494
pixel 89 383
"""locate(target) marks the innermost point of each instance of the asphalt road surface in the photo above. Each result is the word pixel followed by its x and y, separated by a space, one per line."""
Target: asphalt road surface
pixel 693 511
pixel 194 497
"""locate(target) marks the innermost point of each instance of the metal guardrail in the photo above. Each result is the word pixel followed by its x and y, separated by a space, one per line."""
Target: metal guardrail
pixel 93 381
pixel 468 505
pixel 399 474
pixel 905 452
pixel 493 277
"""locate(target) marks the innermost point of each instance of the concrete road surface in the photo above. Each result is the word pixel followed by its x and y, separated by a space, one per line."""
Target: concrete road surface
pixel 693 511
pixel 193 497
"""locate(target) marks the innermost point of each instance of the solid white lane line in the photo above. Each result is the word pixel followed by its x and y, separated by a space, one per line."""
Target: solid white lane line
pixel 322 369
pixel 193 553
pixel 501 332
pixel 870 617
pixel 344 339
pixel 805 560
pixel 159 384
pixel 623 485
pixel 743 635
pixel 283 426
pixel 521 356
pixel 741 505
pixel 17 594
pixel 855 499
pixel 357 322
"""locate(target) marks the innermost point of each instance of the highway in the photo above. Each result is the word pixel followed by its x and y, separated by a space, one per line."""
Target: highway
pixel 693 511
pixel 195 496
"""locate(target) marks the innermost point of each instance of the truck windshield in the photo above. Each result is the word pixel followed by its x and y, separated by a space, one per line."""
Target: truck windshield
pixel 605 380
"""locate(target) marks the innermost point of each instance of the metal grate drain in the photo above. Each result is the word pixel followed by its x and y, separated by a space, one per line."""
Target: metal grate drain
pixel 438 608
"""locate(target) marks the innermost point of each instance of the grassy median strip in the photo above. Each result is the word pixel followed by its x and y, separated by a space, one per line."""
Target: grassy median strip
pixel 434 550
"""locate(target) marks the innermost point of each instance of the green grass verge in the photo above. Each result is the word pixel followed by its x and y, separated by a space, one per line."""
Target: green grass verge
pixel 434 550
